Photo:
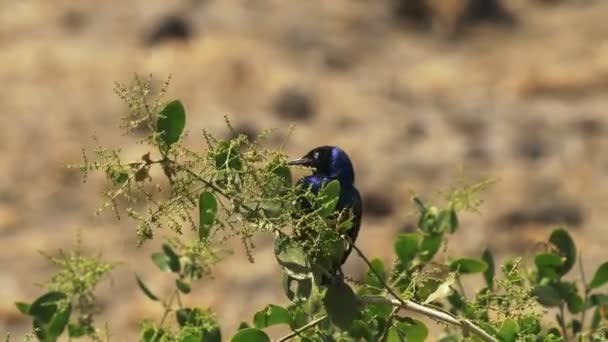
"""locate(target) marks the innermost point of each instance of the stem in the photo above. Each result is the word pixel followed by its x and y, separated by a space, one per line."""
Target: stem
pixel 460 286
pixel 562 322
pixel 388 324
pixel 168 308
pixel 464 324
pixel 582 270
pixel 436 315
pixel 302 328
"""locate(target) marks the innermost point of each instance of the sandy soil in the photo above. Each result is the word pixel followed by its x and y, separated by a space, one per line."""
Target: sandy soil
pixel 523 104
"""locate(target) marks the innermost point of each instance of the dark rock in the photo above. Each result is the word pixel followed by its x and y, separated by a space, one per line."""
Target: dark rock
pixel 249 130
pixel 478 153
pixel 490 11
pixel 558 213
pixel 414 12
pixel 295 104
pixel 531 148
pixel 339 59
pixel 169 28
pixel 74 20
pixel 589 127
pixel 415 131
pixel 377 205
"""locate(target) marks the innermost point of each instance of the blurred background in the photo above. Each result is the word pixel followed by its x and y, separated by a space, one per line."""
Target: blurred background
pixel 413 90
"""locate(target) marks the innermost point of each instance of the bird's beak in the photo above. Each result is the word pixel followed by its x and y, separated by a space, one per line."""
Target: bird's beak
pixel 302 162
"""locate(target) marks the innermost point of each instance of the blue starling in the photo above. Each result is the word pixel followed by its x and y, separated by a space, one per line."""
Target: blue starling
pixel 332 163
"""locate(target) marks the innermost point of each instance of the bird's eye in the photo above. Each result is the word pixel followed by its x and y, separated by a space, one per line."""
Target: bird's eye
pixel 315 155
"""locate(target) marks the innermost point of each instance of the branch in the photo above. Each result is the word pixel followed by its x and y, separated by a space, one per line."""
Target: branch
pixel 302 328
pixel 464 324
pixel 433 314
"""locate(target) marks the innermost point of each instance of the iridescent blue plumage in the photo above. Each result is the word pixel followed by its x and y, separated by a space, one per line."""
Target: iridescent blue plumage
pixel 332 163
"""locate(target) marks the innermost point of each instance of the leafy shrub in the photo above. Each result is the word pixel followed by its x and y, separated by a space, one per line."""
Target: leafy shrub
pixel 237 188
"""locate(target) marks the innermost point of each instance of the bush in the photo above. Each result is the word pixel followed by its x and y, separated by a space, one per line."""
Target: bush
pixel 237 188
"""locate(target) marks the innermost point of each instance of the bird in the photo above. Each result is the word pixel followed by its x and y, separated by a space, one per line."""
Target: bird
pixel 330 163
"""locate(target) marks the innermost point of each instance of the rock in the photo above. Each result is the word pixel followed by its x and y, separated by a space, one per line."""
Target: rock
pixel 377 205
pixel 295 104
pixel 247 129
pixel 548 215
pixel 74 20
pixel 172 27
pixel 531 148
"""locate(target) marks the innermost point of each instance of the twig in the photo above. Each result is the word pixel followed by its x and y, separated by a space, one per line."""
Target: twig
pixel 584 280
pixel 302 328
pixel 433 314
pixel 464 324
pixel 562 322
pixel 388 324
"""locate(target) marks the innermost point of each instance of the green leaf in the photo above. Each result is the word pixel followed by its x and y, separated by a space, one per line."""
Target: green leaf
pixel 172 258
pixel 413 329
pixel 575 303
pixel 213 335
pixel 361 331
pixel 429 246
pixel 428 221
pixel 488 274
pixel 547 296
pixel 182 315
pixel 297 290
pixel 468 266
pixel 45 307
pixel 529 325
pixel 371 277
pixel 508 330
pixel 207 206
pixel 447 221
pixel 161 261
pixel 442 290
pixel 406 247
pixel 292 257
pixel 548 259
pixel 395 335
pixel 182 286
pixel 598 299
pixel 454 224
pixel 59 321
pixel 145 289
pixel 171 122
pixel 328 198
pixel 600 277
pixel 271 315
pixel 243 325
pixel 548 265
pixel 79 330
pixel 250 335
pixel 227 156
pixel 597 318
pixel 564 243
pixel 24 308
pixel 341 305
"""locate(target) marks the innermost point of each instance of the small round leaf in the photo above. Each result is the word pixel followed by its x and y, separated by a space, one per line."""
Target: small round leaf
pixel 406 247
pixel 271 315
pixel 250 335
pixel 468 266
pixel 564 243
pixel 600 277
pixel 207 206
pixel 171 122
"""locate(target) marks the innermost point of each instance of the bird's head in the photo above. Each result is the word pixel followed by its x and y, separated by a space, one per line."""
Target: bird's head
pixel 329 161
